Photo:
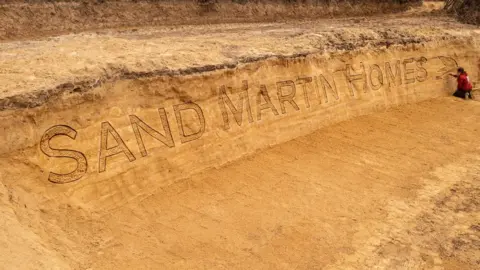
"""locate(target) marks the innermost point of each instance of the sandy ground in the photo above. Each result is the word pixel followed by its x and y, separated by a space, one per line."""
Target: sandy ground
pixel 361 178
pixel 347 197
pixel 394 190
pixel 30 19
pixel 32 70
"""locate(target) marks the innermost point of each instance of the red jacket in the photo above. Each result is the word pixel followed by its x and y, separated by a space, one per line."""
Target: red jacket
pixel 464 82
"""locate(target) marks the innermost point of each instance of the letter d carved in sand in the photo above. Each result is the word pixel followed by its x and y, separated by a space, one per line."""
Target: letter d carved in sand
pixel 184 138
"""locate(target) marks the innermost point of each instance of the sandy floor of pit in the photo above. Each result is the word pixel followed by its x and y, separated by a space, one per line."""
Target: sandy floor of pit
pixel 395 190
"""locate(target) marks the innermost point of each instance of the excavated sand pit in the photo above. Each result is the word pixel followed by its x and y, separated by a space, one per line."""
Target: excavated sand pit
pixel 296 146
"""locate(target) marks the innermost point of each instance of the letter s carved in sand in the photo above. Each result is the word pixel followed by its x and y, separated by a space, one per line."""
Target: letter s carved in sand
pixel 79 157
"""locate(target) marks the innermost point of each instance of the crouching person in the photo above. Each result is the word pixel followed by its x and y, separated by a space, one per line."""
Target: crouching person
pixel 464 86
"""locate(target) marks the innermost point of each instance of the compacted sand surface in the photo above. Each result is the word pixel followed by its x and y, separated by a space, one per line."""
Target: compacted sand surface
pixel 397 189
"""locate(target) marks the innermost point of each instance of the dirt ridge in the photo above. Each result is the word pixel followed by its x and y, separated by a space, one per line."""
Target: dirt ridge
pixel 33 19
pixel 37 98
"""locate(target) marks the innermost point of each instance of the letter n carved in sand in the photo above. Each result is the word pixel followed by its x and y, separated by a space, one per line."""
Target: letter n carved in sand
pixel 138 124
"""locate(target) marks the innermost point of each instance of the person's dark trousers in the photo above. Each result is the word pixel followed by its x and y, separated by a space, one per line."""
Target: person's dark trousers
pixel 462 94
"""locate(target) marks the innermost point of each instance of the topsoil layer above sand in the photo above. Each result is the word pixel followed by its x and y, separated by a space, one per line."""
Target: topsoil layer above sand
pixel 31 71
pixel 29 19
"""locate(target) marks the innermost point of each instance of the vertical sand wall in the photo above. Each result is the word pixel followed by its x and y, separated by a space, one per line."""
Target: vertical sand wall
pixel 125 139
